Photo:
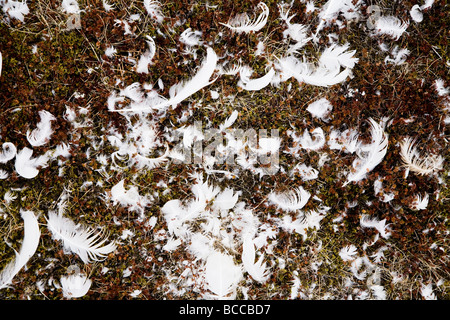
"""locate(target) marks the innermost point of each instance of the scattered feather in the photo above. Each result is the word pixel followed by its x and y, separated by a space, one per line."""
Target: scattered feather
pixel 29 245
pixel 70 6
pixel 257 270
pixel 292 200
pixel 16 9
pixel 416 13
pixel 9 152
pixel 420 203
pixel 41 135
pixel 154 10
pixel 26 166
pixel 85 242
pixel 348 253
pixel 369 156
pixel 257 84
pixel 320 109
pixel 366 222
pixel 243 23
pixel 390 26
pixel 415 162
pixel 75 285
pixel 222 275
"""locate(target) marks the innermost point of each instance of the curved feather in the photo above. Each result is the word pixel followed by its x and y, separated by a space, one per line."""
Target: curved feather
pixel 9 151
pixel 243 23
pixel 182 91
pixel 374 153
pixel 257 270
pixel 85 242
pixel 258 83
pixel 415 162
pixel 41 135
pixel 27 250
pixel 292 200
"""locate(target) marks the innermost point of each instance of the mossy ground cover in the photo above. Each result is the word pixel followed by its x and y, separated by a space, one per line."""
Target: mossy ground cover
pixel 47 67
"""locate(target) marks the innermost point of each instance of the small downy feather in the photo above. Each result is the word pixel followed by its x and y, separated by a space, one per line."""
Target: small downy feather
pixel 229 121
pixel 417 163
pixel 41 135
pixel 243 23
pixel 27 250
pixel 9 151
pixel 26 166
pixel 257 270
pixel 374 153
pixel 292 200
pixel 146 57
pixel 85 242
pixel 379 225
pixel 154 10
pixel 390 26
pixel 75 285
pixel 222 275
pixel 320 109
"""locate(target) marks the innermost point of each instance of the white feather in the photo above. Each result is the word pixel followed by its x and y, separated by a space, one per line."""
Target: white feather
pixel 391 26
pixel 70 6
pixel 420 203
pixel 191 38
pixel 16 9
pixel 348 253
pixel 257 84
pixel 292 200
pixel 9 151
pixel 41 135
pixel 320 109
pixel 75 285
pixel 243 23
pixel 226 199
pixel 222 275
pixel 154 10
pixel 257 270
pixel 85 242
pixel 229 121
pixel 415 162
pixel 182 91
pixel 380 226
pixel 147 57
pixel 416 13
pixel 29 245
pixel 373 153
pixel 26 166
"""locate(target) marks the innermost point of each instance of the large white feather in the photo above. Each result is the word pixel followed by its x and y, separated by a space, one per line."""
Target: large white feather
pixel 85 242
pixel 27 250
pixel 222 275
pixel 373 153
pixel 257 270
